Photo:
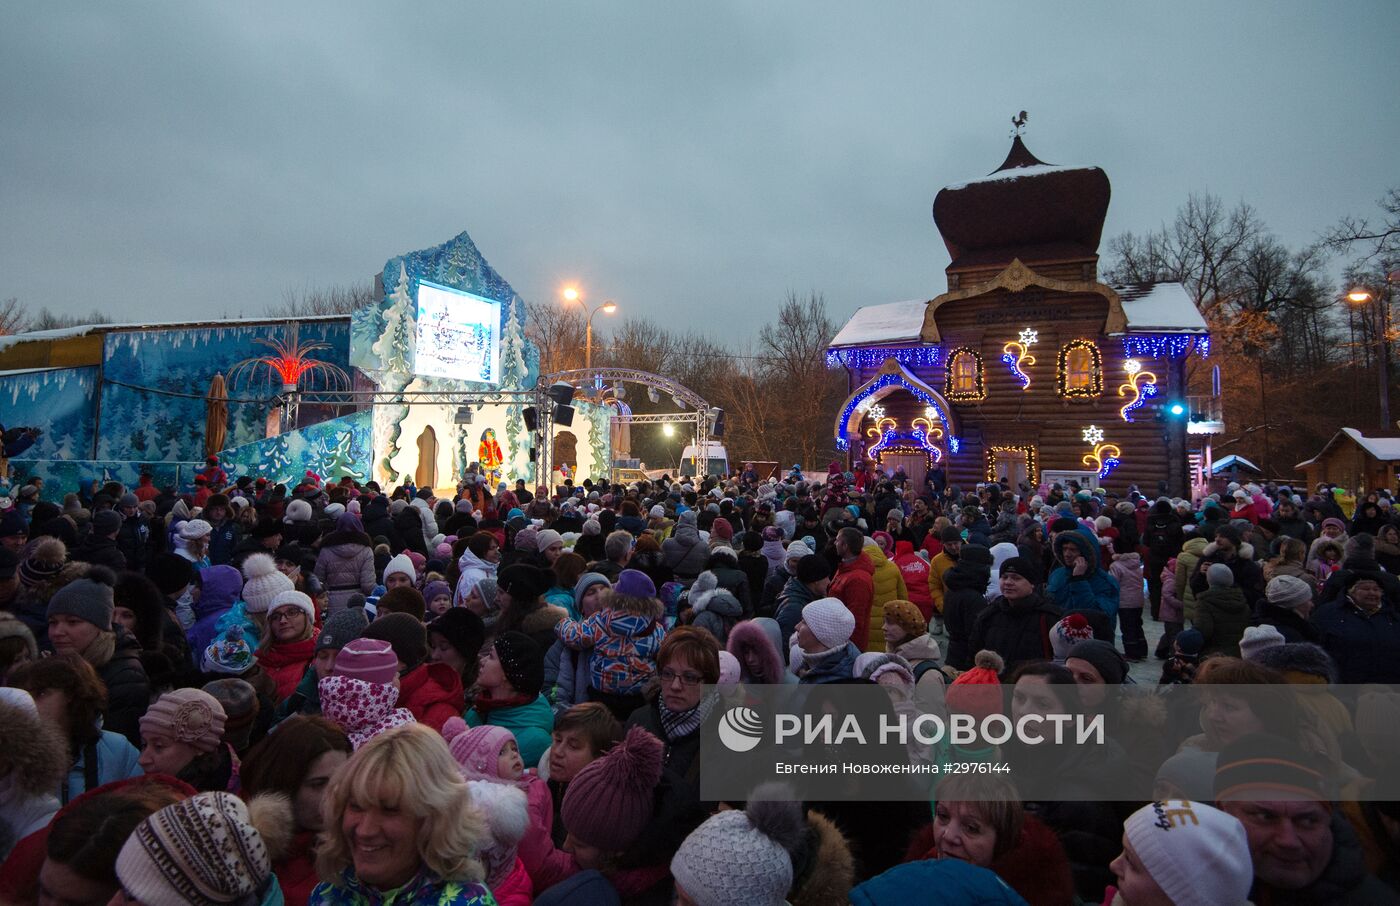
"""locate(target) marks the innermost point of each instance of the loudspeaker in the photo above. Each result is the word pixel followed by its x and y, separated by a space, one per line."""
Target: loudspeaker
pixel 564 415
pixel 532 418
pixel 561 393
pixel 534 455
pixel 716 422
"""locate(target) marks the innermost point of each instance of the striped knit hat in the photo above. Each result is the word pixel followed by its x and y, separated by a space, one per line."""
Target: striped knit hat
pixel 203 851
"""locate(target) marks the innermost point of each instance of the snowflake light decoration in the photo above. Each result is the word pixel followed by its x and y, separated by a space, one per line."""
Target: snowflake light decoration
pixel 1093 435
pixel 1028 337
pixel 876 412
pixel 932 414
pixel 1132 366
pixel 1016 354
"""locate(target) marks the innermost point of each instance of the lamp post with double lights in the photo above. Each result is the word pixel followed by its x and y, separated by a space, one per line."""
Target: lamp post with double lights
pixel 607 306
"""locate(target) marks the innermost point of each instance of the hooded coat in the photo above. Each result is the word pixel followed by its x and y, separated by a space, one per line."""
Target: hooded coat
pixel 1186 563
pixel 717 611
pixel 345 567
pixel 889 586
pixel 915 570
pixel 473 570
pixel 1222 616
pixel 128 688
pixel 432 693
pixel 623 648
pixel 1018 632
pixel 685 552
pixel 748 639
pixel 794 597
pixel 221 588
pixel 1095 590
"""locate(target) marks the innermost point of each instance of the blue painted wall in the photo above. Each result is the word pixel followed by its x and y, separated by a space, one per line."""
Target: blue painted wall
pixel 60 401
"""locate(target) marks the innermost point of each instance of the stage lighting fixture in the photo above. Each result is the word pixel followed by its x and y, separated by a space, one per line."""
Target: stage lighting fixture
pixel 716 422
pixel 619 391
pixel 653 394
pixel 463 416
pixel 534 455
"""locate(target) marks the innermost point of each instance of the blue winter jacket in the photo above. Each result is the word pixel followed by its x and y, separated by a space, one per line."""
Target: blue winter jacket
pixel 116 760
pixel 1095 590
pixel 954 880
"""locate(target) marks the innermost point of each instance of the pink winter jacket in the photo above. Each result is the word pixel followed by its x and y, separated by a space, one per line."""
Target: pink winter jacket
pixel 1172 610
pixel 1127 569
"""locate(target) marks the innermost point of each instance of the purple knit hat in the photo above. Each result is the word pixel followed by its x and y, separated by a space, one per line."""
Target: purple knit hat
pixel 348 522
pixel 610 801
pixel 477 750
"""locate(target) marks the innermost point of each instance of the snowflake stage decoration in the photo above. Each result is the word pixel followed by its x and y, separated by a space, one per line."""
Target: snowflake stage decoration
pixel 1093 435
pixel 876 412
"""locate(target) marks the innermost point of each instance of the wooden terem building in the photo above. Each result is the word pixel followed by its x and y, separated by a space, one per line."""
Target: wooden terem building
pixel 1028 367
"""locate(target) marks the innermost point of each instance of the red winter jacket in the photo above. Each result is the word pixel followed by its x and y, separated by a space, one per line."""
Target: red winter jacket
pixel 854 584
pixel 432 693
pixel 915 571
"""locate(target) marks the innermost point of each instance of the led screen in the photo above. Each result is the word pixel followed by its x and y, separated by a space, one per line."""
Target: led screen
pixel 459 335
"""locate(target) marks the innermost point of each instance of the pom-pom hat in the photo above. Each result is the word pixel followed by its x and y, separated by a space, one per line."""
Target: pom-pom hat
pixel 610 802
pixel 203 851
pixel 262 582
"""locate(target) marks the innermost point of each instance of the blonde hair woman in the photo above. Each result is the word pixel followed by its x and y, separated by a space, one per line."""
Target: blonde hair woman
pixel 399 817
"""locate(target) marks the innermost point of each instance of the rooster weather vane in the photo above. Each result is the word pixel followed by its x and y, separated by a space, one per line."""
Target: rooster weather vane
pixel 1018 123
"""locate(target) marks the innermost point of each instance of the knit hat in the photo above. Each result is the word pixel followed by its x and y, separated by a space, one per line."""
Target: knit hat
pixel 371 660
pixel 12 524
pixel 1288 591
pixel 527 539
pixel 201 851
pixel 86 600
pixel 262 582
pixel 906 615
pixel 402 565
pixel 524 582
pixel 1190 642
pixel 228 653
pixel 743 858
pixel 721 529
pixel 195 528
pixel 1218 575
pixel 404 599
pixel 1305 662
pixel 1257 638
pixel 1024 567
pixel 728 668
pixel 657 512
pixel 797 550
pixel 170 572
pixel 436 589
pixel 977 554
pixel 1196 853
pixel 1065 634
pixel 546 538
pixel 634 583
pixel 341 628
pixel 950 535
pixel 978 691
pixel 1103 657
pixel 1190 773
pixel 240 701
pixel 830 621
pixel 522 662
pixel 1264 766
pixel 813 568
pixel 585 582
pixel 1335 523
pixel 298 511
pixel 294 598
pixel 191 716
pixel 11 627
pixel 592 526
pixel 106 522
pixel 609 802
pixel 334 510
pixel 405 635
pixel 462 629
pixel 476 749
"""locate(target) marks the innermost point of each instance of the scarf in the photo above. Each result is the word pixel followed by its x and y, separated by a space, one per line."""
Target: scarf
pixel 484 704
pixel 679 724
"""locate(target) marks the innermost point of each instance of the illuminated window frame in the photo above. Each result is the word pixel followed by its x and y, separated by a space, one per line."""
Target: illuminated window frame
pixel 1095 388
pixel 1032 461
pixel 979 391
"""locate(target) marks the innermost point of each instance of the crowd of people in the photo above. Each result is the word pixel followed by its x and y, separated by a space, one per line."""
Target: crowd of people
pixel 336 693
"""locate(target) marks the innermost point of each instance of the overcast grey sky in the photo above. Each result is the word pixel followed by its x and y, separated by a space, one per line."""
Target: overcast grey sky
pixel 694 161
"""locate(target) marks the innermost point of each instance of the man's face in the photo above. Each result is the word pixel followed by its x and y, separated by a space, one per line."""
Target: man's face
pixel 14 542
pixel 1225 546
pixel 952 548
pixel 1290 842
pixel 1069 555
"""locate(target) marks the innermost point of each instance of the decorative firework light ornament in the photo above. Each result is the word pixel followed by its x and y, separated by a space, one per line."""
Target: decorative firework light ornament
pixel 1141 384
pixel 1016 355
pixel 1105 457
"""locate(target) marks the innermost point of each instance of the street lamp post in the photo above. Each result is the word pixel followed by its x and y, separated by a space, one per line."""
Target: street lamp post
pixel 608 306
pixel 1381 303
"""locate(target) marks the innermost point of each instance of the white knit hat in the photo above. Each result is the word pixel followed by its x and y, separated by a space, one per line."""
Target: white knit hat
pixel 547 537
pixel 741 858
pixel 195 528
pixel 1257 638
pixel 262 582
pixel 298 511
pixel 400 564
pixel 334 509
pixel 831 621
pixel 1197 854
pixel 295 599
pixel 657 512
pixel 202 850
pixel 797 550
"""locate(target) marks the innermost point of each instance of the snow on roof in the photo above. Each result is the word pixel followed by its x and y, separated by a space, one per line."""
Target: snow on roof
pixel 1011 173
pixel 1160 308
pixel 1386 449
pixel 893 322
pixel 1227 462
pixel 82 330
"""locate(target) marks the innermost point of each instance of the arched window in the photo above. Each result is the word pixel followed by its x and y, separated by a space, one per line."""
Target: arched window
pixel 965 381
pixel 1080 369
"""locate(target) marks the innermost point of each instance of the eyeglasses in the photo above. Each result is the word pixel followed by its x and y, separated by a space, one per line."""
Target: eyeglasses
pixel 687 679
pixel 284 616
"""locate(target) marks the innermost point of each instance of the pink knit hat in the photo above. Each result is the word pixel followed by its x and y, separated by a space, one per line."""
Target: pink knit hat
pixel 191 716
pixel 722 529
pixel 610 801
pixel 370 660
pixel 476 749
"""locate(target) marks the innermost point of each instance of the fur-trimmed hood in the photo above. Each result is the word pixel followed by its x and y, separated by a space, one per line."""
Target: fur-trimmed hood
pixel 506 811
pixel 33 755
pixel 271 814
pixel 829 869
pixel 750 638
pixel 1245 552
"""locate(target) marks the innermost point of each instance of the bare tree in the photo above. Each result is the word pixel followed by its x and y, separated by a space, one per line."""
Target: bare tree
pixel 13 317
pixel 333 300
pixel 48 320
pixel 1378 242
pixel 558 333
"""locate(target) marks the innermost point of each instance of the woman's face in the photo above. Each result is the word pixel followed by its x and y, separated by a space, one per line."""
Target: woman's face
pixel 442 652
pixel 493 553
pixel 490 675
pixel 165 755
pixel 1135 886
pixel 1093 689
pixel 306 808
pixel 677 689
pixel 552 552
pixel 474 602
pixel 1390 534
pixel 288 623
pixel 383 843
pixel 1034 695
pixel 71 634
pixel 894 633
pixel 569 753
pixel 126 617
pixel 60 885
pixel 961 831
pixel 1228 717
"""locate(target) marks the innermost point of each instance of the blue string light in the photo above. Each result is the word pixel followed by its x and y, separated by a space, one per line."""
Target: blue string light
pixel 866 357
pixel 1109 465
pixel 1168 345
pixel 843 441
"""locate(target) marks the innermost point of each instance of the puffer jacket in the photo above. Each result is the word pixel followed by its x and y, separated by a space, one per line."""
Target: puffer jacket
pixel 717 612
pixel 1222 616
pixel 1186 563
pixel 794 597
pixel 128 689
pixel 889 586
pixel 685 553
pixel 854 586
pixel 963 601
pixel 1095 590
pixel 827 666
pixel 915 570
pixel 1127 569
pixel 345 566
pixel 432 693
pixel 473 569
pixel 624 648
pixel 425 889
